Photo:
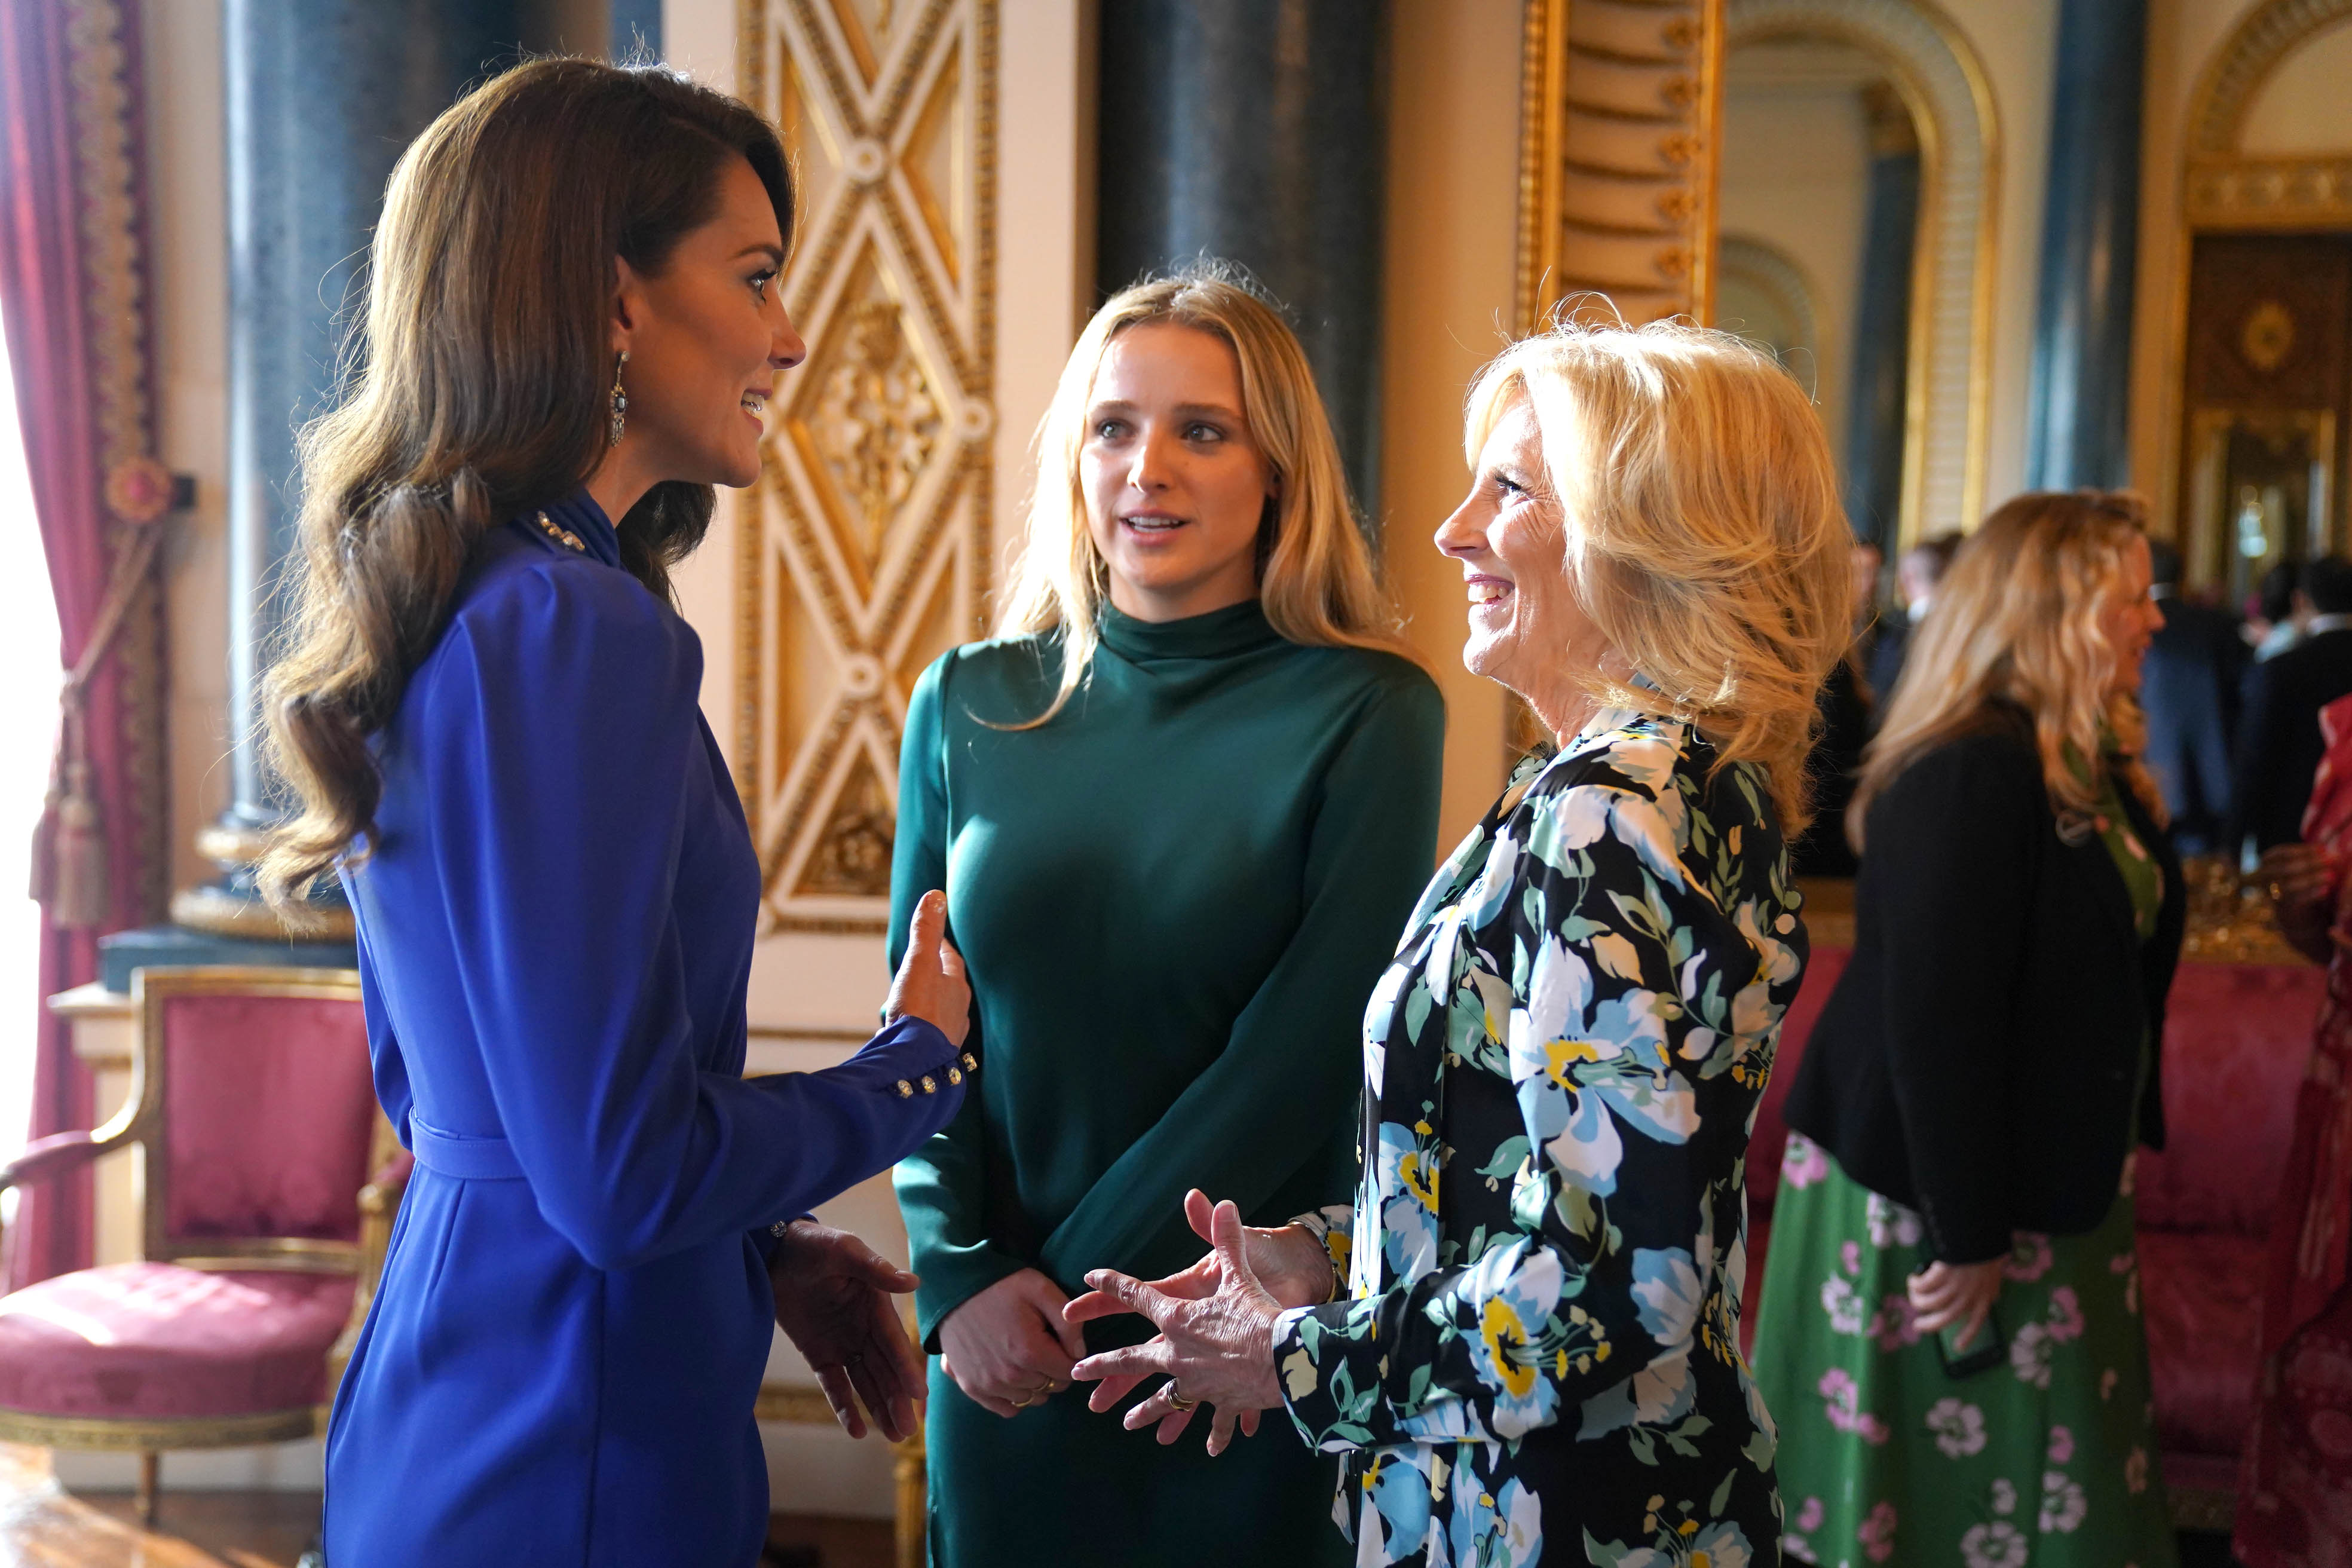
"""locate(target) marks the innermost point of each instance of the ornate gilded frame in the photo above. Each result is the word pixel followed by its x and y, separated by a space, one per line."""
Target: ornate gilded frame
pixel 1620 108
pixel 868 541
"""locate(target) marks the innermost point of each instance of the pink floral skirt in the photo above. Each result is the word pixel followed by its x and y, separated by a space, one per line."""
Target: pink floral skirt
pixel 2044 1459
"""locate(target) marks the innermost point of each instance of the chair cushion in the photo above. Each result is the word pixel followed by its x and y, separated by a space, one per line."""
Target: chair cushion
pixel 156 1341
pixel 2200 1297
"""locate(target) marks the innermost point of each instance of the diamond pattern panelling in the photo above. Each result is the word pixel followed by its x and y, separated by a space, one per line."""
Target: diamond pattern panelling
pixel 865 546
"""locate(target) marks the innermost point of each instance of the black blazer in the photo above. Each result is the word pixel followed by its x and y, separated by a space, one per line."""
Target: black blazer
pixel 2279 746
pixel 1977 1060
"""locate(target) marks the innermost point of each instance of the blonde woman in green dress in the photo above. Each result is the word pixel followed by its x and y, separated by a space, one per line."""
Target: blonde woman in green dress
pixel 1949 1336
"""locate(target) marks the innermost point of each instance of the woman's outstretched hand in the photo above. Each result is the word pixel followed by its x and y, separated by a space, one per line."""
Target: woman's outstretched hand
pixel 1215 1349
pixel 833 1299
pixel 930 983
pixel 1287 1259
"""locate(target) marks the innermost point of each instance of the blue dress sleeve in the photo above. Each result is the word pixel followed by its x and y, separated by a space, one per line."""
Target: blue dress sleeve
pixel 564 727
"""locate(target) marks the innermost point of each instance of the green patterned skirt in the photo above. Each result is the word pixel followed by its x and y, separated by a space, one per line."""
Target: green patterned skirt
pixel 2046 1459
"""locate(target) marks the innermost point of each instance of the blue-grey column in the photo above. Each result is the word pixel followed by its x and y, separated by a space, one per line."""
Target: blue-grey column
pixel 2079 430
pixel 1878 391
pixel 322 97
pixel 1255 131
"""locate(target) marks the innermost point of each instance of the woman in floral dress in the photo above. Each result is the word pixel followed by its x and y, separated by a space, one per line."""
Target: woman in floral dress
pixel 1950 1336
pixel 1538 1357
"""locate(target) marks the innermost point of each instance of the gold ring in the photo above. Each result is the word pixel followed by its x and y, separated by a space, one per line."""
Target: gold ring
pixel 1176 1397
pixel 2277 892
pixel 1049 1386
pixel 1022 1404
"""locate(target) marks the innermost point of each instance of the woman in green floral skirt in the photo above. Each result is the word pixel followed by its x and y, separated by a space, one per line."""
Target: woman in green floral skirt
pixel 1950 1336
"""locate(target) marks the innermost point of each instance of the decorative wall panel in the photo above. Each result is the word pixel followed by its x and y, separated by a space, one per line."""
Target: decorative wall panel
pixel 1621 101
pixel 866 545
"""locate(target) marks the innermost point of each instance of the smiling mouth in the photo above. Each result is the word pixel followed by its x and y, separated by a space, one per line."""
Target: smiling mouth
pixel 755 404
pixel 1150 523
pixel 1487 590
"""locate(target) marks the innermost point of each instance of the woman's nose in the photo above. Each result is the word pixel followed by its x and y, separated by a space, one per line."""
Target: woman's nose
pixel 1148 469
pixel 785 348
pixel 1459 536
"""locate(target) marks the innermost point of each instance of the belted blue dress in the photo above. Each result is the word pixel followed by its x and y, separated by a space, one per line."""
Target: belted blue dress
pixel 555 921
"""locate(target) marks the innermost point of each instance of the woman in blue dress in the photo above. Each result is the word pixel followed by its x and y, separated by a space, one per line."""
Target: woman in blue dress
pixel 490 710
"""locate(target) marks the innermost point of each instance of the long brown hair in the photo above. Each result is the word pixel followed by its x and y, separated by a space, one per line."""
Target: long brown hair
pixel 475 388
pixel 1314 576
pixel 1700 529
pixel 2015 627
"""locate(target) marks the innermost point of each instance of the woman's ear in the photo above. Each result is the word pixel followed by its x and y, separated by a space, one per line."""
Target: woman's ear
pixel 628 303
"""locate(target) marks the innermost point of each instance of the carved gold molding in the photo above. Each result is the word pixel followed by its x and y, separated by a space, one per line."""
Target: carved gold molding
pixel 1620 104
pixel 865 546
pixel 2289 193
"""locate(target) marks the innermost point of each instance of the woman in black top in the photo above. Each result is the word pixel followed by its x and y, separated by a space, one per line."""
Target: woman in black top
pixel 1949 1337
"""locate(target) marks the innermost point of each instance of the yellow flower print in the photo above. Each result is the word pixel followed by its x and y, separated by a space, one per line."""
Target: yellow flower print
pixel 1500 1326
pixel 1559 1055
pixel 1418 1174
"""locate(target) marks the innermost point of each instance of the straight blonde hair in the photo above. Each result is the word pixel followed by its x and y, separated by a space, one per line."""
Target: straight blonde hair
pixel 1701 531
pixel 1314 576
pixel 2016 622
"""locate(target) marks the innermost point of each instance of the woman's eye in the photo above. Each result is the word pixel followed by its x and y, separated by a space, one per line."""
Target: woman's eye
pixel 1108 430
pixel 1508 487
pixel 759 282
pixel 1197 432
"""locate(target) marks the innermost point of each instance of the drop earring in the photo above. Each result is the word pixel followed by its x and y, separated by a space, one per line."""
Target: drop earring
pixel 620 401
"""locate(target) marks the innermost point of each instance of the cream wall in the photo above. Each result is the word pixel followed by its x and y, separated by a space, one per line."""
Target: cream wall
pixel 187 232
pixel 1453 192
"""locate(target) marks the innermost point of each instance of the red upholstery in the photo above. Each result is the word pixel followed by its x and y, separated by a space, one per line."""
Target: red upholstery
pixel 2236 1040
pixel 267 1119
pixel 269 1111
pixel 156 1341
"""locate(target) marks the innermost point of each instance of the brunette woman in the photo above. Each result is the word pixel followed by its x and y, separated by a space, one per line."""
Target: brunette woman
pixel 490 710
pixel 1180 810
pixel 1950 1336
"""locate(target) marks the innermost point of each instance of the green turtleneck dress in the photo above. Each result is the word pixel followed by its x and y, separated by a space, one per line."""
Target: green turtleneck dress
pixel 1174 898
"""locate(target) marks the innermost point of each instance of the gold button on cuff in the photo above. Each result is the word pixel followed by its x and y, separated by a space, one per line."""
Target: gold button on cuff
pixel 969 1063
pixel 906 1089
pixel 928 1087
pixel 955 1075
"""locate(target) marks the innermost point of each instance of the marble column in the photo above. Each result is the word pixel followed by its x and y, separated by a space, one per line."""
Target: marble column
pixel 1255 131
pixel 1879 390
pixel 2080 413
pixel 323 97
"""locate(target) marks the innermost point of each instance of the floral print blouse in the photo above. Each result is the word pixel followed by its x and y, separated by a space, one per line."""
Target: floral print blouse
pixel 1541 1355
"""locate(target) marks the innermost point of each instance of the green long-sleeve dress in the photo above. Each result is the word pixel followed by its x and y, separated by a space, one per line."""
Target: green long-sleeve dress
pixel 1174 898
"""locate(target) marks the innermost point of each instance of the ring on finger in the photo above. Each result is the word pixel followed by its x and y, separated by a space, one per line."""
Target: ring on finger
pixel 1176 1397
pixel 1049 1386
pixel 1023 1403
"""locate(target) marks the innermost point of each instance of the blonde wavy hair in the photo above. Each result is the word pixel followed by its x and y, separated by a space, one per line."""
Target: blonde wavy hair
pixel 2017 622
pixel 1314 576
pixel 1701 528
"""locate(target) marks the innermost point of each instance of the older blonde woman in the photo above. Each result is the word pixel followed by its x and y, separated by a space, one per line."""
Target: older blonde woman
pixel 1950 1331
pixel 1180 810
pixel 1540 1358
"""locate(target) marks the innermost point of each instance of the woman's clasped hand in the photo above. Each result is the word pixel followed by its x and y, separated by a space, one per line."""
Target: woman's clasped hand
pixel 1216 1318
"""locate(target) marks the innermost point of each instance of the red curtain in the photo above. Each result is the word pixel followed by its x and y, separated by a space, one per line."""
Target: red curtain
pixel 72 288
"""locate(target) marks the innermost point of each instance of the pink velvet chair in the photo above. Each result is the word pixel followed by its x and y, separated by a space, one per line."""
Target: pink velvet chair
pixel 269 1178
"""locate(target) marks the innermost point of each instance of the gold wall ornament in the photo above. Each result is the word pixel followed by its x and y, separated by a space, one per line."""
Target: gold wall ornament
pixel 866 547
pixel 1621 104
pixel 2268 336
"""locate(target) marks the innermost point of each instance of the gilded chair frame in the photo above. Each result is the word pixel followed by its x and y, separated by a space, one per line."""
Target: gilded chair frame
pixel 140 1125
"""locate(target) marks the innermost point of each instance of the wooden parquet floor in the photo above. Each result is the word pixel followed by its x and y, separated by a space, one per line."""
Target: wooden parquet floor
pixel 41 1526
